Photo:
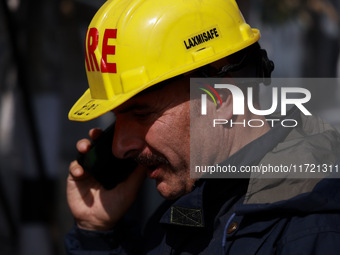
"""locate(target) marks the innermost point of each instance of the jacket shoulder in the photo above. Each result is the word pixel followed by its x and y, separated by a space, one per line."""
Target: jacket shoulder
pixel 317 233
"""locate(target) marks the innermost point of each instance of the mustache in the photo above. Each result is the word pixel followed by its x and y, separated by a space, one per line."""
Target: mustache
pixel 151 160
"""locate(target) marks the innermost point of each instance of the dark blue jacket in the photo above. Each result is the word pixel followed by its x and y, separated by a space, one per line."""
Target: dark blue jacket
pixel 251 215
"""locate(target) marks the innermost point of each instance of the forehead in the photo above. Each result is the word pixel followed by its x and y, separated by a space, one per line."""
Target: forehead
pixel 170 92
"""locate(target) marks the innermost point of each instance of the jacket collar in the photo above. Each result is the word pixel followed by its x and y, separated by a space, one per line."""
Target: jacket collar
pixel 201 206
pixel 189 210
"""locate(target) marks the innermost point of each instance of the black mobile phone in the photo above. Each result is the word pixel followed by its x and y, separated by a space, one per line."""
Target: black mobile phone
pixel 102 165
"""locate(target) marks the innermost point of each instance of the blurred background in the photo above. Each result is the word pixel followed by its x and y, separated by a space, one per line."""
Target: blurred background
pixel 42 74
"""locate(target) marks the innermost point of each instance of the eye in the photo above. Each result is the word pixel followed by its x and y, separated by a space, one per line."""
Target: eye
pixel 145 116
pixel 141 114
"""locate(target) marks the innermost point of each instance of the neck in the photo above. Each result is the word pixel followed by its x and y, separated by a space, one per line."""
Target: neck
pixel 246 134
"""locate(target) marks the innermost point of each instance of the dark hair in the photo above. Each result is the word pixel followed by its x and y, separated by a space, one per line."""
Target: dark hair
pixel 254 57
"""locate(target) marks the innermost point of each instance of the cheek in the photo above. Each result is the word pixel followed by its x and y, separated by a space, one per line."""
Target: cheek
pixel 170 140
pixel 171 130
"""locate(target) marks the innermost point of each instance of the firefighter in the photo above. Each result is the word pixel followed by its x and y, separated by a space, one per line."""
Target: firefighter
pixel 140 56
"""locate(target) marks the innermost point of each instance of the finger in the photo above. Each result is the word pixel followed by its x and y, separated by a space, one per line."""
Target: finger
pixel 94 133
pixel 137 176
pixel 83 145
pixel 75 170
pixel 135 181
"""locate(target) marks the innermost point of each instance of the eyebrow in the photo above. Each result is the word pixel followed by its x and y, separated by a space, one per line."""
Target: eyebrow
pixel 152 88
pixel 132 107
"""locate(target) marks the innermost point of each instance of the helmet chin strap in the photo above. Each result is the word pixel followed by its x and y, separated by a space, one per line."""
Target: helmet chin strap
pixel 233 67
pixel 210 72
pixel 264 67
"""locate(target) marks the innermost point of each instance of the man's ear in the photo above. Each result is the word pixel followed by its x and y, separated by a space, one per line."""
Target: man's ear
pixel 225 111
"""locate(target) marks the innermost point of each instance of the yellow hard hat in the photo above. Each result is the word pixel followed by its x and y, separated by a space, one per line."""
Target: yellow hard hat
pixel 134 44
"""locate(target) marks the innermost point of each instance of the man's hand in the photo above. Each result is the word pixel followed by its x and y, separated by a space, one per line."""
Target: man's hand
pixel 93 207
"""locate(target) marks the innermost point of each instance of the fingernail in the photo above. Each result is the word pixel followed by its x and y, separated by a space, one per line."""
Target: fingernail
pixel 82 145
pixel 77 172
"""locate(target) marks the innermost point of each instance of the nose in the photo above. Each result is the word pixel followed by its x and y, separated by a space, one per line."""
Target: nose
pixel 128 139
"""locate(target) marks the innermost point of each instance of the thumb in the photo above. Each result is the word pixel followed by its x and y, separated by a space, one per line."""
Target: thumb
pixel 134 182
pixel 127 190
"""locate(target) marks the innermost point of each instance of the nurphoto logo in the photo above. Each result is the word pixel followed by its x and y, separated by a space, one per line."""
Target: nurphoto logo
pixel 239 104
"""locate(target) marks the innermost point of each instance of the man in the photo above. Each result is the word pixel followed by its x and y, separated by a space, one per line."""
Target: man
pixel 140 56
